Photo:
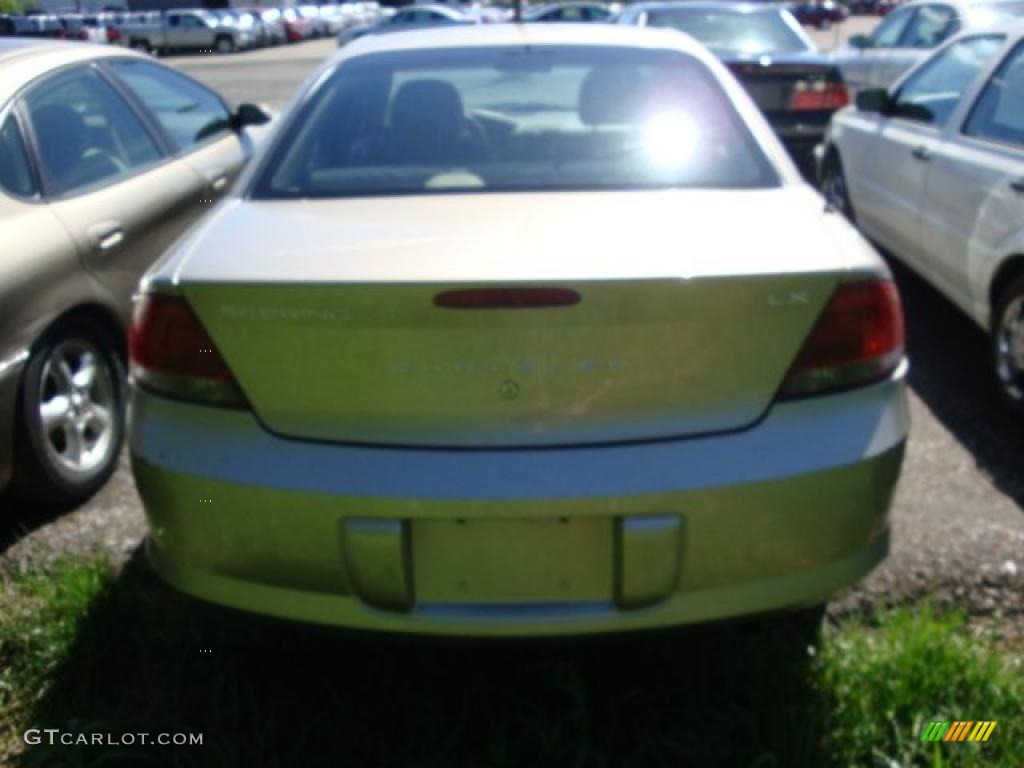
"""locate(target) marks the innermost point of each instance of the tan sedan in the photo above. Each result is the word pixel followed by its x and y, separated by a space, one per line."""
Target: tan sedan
pixel 105 158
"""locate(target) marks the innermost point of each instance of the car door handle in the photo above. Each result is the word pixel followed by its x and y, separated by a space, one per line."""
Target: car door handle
pixel 921 153
pixel 106 235
pixel 1017 185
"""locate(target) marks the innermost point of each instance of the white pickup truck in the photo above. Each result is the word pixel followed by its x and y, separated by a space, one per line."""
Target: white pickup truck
pixel 195 30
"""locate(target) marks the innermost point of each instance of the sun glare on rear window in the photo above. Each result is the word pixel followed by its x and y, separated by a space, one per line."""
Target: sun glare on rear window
pixel 514 119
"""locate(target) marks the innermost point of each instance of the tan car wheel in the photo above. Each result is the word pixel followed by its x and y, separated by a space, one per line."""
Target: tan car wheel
pixel 72 415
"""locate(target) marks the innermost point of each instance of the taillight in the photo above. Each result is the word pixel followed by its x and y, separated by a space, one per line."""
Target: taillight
pixel 819 95
pixel 83 34
pixel 172 354
pixel 857 340
pixel 113 34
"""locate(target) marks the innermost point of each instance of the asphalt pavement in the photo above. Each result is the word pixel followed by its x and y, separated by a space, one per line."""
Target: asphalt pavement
pixel 958 524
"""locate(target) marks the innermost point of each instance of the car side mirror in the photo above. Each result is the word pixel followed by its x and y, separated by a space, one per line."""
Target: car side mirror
pixel 874 100
pixel 249 114
pixel 859 42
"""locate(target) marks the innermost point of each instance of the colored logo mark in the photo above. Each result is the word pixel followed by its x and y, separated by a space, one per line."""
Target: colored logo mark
pixel 959 730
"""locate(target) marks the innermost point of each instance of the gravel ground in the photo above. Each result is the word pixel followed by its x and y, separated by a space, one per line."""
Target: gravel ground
pixel 958 525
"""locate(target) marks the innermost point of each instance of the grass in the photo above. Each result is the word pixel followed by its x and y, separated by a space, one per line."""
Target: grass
pixel 87 649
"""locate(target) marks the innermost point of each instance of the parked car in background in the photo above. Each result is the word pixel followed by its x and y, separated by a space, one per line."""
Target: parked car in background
pixel 933 170
pixel 124 154
pixel 43 26
pixel 252 22
pixel 513 330
pixel 797 88
pixel 571 12
pixel 873 7
pixel 296 26
pixel 84 28
pixel 910 33
pixel 333 18
pixel 185 30
pixel 247 34
pixel 821 14
pixel 273 24
pixel 312 14
pixel 412 17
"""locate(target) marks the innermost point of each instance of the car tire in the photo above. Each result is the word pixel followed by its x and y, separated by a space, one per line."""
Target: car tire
pixel 1007 341
pixel 69 461
pixel 835 188
pixel 225 44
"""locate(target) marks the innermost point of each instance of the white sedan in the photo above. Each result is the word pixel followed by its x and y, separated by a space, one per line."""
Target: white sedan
pixel 907 35
pixel 933 170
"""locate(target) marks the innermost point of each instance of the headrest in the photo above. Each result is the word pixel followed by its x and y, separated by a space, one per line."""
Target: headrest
pixel 427 107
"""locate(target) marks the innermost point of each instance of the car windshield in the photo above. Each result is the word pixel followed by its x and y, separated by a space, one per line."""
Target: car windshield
pixel 732 31
pixel 514 119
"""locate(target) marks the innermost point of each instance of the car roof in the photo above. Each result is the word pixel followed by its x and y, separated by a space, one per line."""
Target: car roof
pixel 437 7
pixel 962 5
pixel 708 5
pixel 483 35
pixel 21 60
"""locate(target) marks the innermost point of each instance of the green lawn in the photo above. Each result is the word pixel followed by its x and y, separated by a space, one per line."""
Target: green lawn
pixel 87 650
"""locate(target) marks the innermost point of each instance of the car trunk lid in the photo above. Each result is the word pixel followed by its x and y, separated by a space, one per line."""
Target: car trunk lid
pixel 778 85
pixel 668 318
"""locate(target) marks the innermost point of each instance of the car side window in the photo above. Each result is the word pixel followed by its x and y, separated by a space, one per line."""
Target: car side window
pixel 86 134
pixel 174 21
pixel 190 113
pixel 192 22
pixel 931 94
pixel 998 114
pixel 889 31
pixel 15 171
pixel 931 26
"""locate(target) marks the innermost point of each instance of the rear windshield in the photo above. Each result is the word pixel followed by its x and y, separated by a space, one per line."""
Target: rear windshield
pixel 514 119
pixel 733 32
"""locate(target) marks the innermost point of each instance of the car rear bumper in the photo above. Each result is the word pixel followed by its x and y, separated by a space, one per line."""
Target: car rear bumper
pixel 521 542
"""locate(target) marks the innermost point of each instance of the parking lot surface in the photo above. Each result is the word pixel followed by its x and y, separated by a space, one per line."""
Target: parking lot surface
pixel 958 523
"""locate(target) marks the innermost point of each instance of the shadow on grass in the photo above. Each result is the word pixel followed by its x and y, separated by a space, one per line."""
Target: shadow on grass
pixel 277 694
pixel 22 517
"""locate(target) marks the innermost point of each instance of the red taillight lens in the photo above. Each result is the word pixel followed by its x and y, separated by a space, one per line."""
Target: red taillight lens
pixel 857 340
pixel 171 354
pixel 820 95
pixel 113 34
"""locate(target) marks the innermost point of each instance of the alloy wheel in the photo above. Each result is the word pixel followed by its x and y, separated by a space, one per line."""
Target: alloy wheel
pixel 77 408
pixel 1010 350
